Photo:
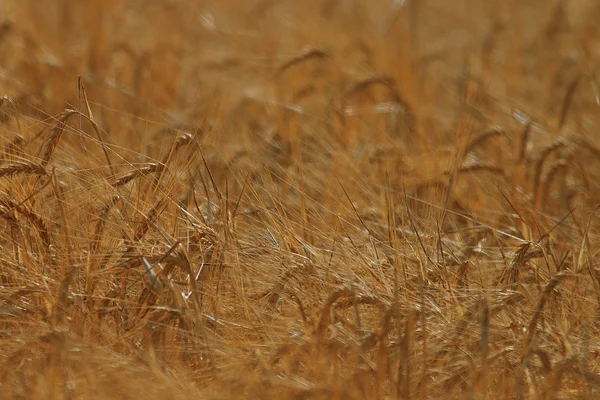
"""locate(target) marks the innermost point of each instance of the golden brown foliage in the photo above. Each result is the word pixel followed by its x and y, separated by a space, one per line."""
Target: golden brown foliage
pixel 312 199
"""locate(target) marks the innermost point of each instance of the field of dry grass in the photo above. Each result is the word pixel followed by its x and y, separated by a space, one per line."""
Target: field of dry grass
pixel 321 199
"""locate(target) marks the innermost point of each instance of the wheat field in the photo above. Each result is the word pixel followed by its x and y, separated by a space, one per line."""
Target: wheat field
pixel 319 199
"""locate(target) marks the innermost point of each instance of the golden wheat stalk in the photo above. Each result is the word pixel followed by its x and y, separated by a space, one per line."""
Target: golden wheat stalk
pixel 54 135
pixel 26 168
pixel 136 173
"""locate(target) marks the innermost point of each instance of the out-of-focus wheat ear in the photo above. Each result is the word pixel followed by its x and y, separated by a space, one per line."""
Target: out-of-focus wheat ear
pixel 58 192
pixel 550 286
pixel 326 310
pixel 484 310
pixel 11 363
pixel 552 383
pixel 359 300
pixel 383 352
pixel 14 149
pixel 62 297
pixel 409 118
pixel 55 134
pixel 25 168
pixel 405 366
pixel 273 294
pixel 9 110
pixel 595 85
pixel 479 382
pixel 483 137
pixel 476 167
pixel 552 173
pixel 303 56
pixel 524 141
pixel 539 165
pixel 136 173
pixel 567 102
pixel 79 87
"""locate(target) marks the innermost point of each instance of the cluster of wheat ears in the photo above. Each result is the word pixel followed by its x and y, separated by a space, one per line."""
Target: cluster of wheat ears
pixel 299 200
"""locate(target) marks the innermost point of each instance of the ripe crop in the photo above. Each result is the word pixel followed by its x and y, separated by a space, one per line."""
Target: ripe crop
pixel 314 199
